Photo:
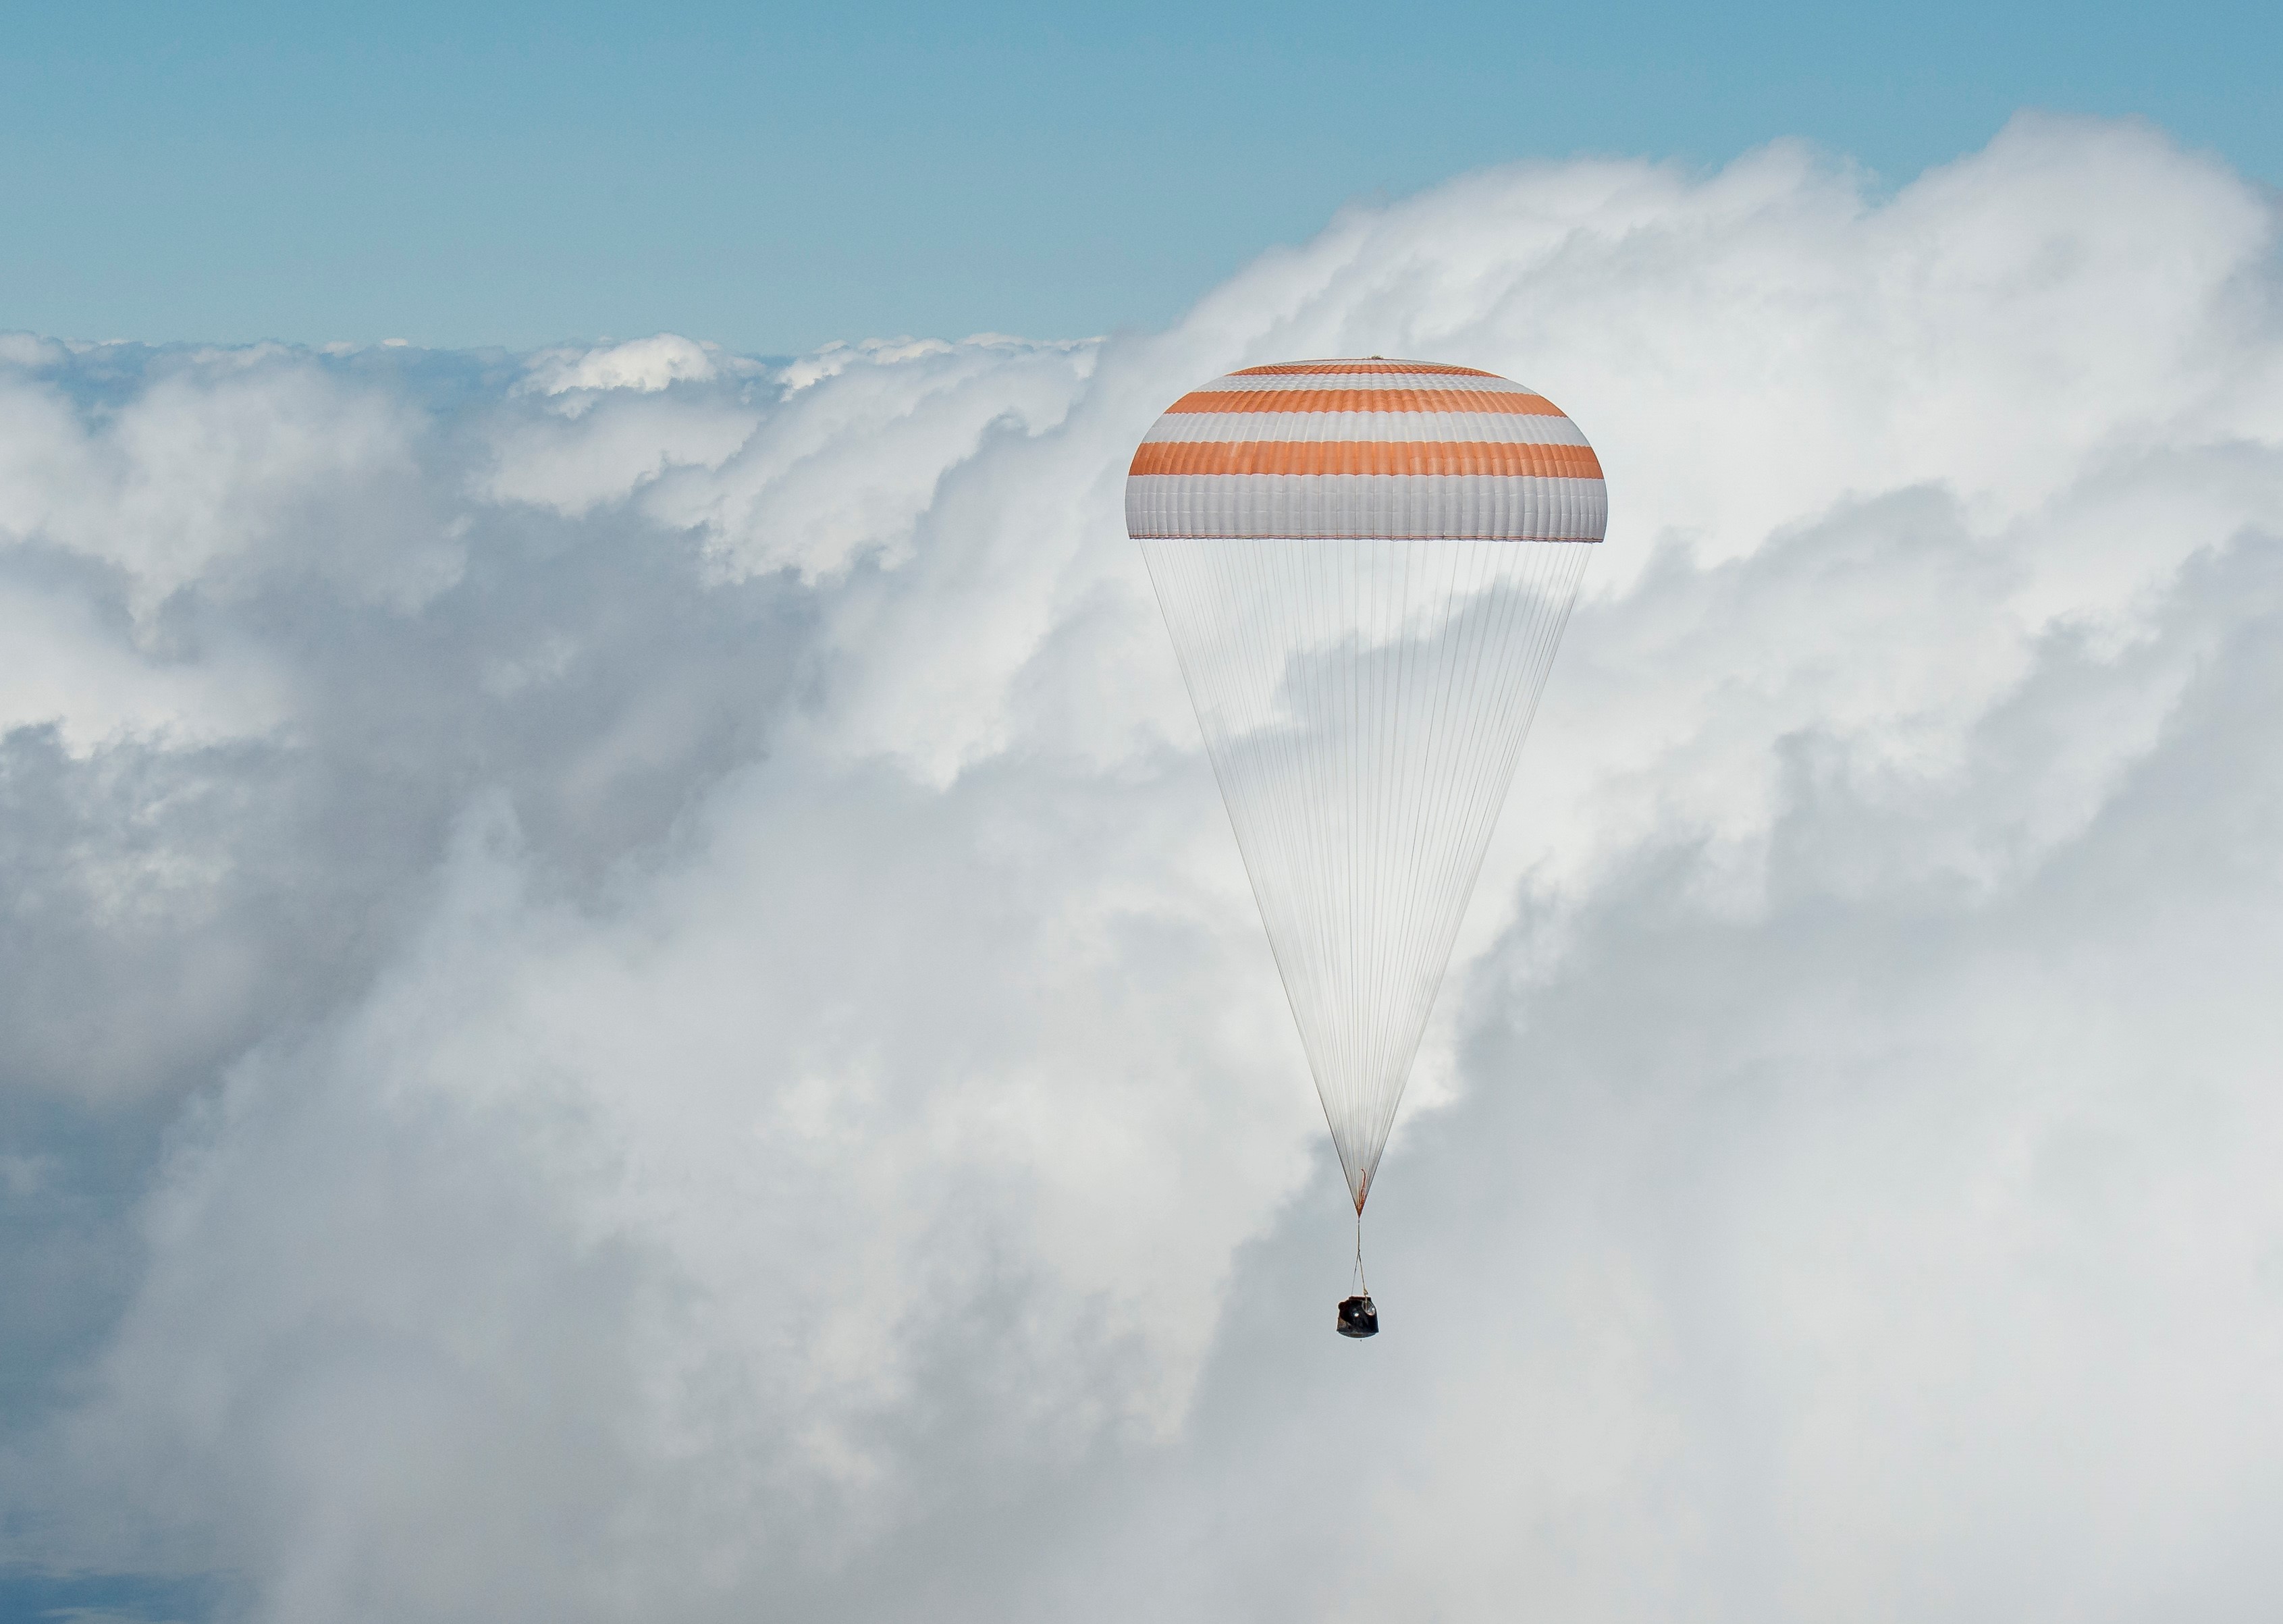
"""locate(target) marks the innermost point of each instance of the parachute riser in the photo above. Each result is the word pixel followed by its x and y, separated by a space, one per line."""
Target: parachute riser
pixel 1358 1317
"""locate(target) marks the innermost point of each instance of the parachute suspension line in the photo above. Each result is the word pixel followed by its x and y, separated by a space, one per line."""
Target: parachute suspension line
pixel 1358 1286
pixel 1363 703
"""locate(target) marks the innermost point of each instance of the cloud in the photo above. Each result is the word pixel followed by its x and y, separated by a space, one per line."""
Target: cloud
pixel 645 365
pixel 217 466
pixel 628 965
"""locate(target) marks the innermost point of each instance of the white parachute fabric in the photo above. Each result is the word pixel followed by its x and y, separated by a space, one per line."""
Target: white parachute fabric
pixel 1364 702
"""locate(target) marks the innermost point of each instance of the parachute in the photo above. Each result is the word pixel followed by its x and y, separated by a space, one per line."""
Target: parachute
pixel 1365 567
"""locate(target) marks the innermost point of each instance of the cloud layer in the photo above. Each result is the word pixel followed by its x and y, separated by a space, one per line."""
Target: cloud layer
pixel 624 993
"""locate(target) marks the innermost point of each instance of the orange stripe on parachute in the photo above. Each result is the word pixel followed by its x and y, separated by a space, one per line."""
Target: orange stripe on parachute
pixel 1364 400
pixel 1314 369
pixel 1365 456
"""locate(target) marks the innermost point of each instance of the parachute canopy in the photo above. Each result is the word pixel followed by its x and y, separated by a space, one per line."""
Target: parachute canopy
pixel 1365 567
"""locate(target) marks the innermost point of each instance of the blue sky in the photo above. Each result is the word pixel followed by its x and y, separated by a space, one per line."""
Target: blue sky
pixel 775 177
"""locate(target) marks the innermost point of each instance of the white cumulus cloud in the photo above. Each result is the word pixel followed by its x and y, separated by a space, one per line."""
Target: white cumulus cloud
pixel 629 997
